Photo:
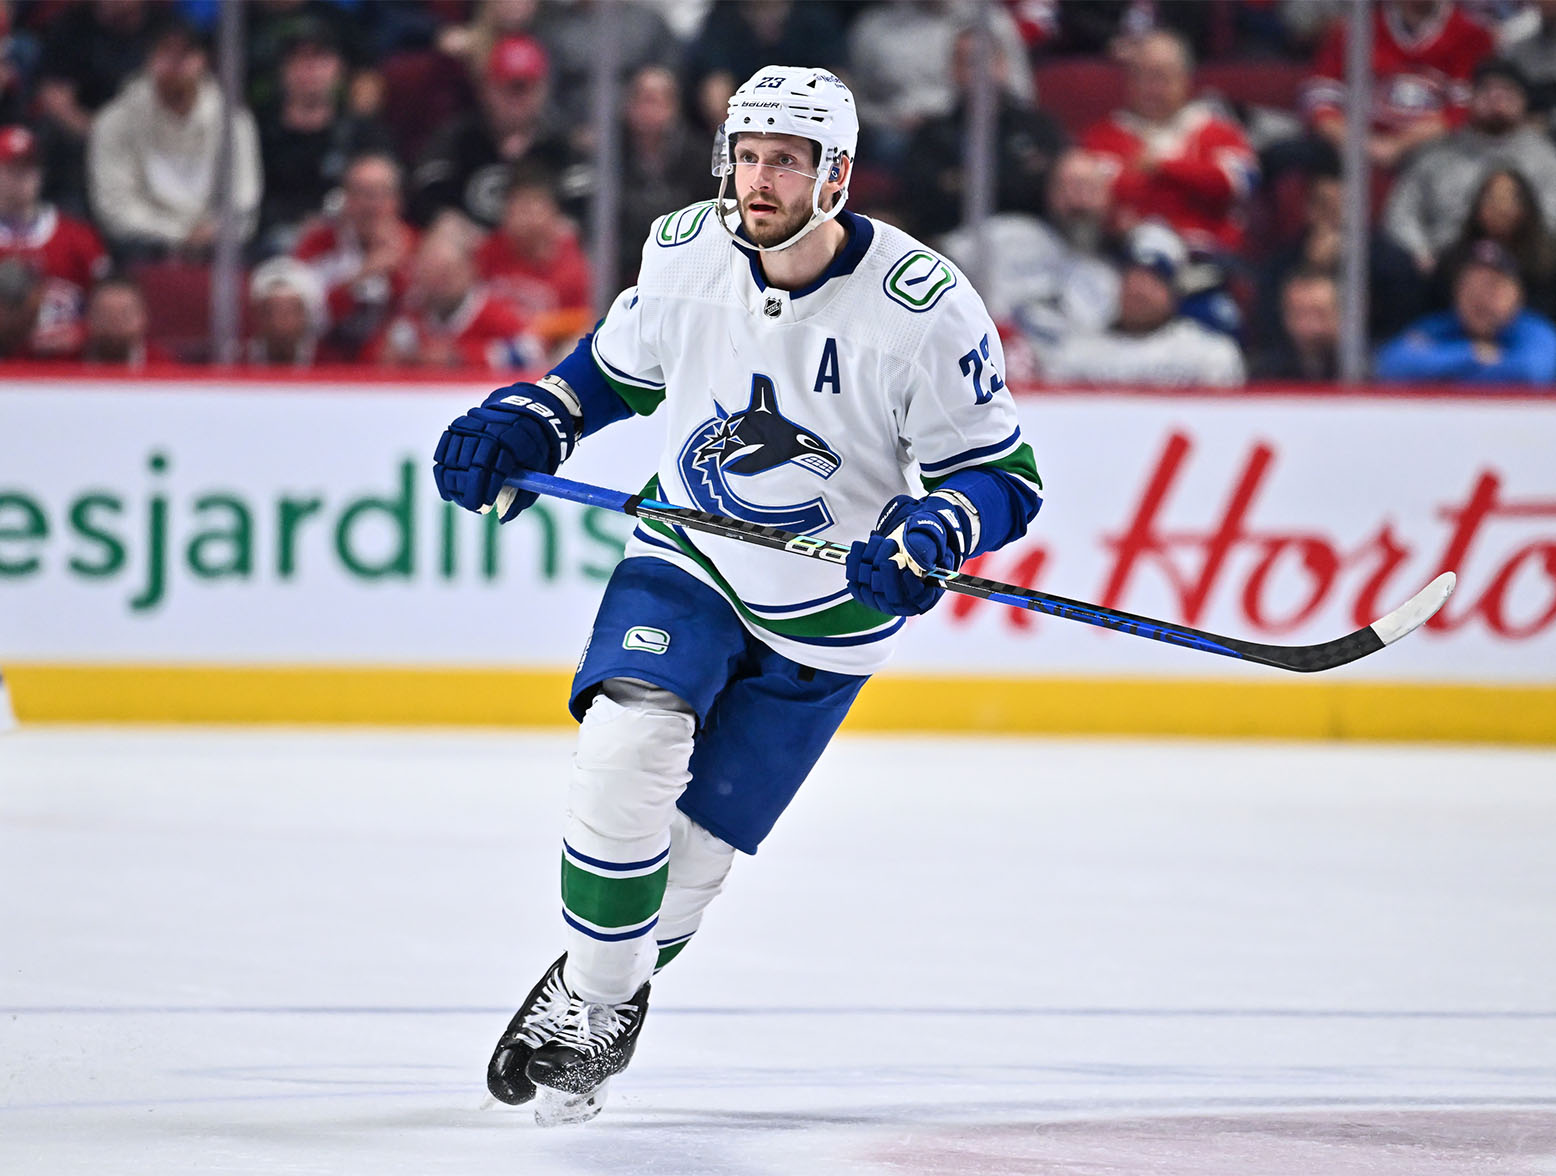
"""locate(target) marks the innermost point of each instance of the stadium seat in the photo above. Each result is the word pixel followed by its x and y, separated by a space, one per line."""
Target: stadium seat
pixel 178 300
pixel 1079 91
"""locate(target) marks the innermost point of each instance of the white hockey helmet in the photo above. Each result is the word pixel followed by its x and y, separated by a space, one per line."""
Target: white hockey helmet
pixel 793 100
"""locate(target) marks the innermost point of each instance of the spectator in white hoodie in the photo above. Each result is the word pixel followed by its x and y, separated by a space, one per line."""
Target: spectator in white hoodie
pixel 1150 343
pixel 152 156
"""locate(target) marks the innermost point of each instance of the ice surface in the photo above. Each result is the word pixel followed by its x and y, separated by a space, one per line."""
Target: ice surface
pixel 284 952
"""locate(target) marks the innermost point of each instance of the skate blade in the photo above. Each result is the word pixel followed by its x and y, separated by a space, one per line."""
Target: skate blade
pixel 557 1108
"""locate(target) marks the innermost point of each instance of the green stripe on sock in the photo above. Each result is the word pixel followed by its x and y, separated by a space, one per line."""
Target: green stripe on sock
pixel 666 954
pixel 612 902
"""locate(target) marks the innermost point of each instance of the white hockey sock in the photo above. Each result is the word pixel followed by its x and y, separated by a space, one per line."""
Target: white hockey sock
pixel 633 750
pixel 699 863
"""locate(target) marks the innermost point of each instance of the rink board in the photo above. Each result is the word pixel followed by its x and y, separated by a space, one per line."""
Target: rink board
pixel 187 549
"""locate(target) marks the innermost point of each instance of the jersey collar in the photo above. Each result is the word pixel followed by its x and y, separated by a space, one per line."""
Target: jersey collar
pixel 861 232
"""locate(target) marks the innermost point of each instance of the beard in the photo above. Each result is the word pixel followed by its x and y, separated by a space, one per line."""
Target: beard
pixel 775 227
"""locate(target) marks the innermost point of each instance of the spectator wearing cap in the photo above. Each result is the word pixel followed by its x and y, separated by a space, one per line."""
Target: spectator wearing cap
pixel 308 134
pixel 1173 159
pixel 1423 53
pixel 286 313
pixel 362 252
pixel 65 253
pixel 1432 197
pixel 467 163
pixel 1308 346
pixel 1489 337
pixel 533 260
pixel 449 319
pixel 1150 343
pixel 116 328
pixel 151 159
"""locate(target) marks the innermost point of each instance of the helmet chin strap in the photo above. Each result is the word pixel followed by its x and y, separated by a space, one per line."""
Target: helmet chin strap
pixel 818 217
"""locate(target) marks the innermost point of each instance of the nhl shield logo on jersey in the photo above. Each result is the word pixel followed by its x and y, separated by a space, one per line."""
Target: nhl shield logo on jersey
pixel 749 443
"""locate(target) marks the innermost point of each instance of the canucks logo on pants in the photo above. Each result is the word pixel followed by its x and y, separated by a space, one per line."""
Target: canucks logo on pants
pixel 750 442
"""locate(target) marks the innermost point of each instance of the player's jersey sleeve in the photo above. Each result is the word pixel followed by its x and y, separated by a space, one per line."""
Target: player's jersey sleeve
pixel 961 421
pixel 959 413
pixel 626 350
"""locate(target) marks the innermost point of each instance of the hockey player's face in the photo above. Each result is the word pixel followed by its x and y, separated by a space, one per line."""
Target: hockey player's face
pixel 774 178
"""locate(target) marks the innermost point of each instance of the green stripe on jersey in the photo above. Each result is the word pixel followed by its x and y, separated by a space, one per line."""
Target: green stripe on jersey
pixel 841 620
pixel 612 902
pixel 1019 461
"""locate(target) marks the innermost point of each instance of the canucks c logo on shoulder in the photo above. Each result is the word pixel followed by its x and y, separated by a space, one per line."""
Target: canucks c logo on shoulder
pixel 746 444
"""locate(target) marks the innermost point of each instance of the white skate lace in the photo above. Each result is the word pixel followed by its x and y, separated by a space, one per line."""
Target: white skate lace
pixel 589 1028
pixel 550 1011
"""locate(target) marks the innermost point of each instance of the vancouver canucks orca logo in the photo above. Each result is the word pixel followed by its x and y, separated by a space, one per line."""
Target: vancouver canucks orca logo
pixel 747 444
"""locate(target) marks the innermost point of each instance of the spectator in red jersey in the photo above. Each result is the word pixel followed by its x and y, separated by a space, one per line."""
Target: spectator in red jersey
pixel 1173 159
pixel 65 253
pixel 362 254
pixel 449 320
pixel 286 307
pixel 533 260
pixel 1423 52
pixel 117 325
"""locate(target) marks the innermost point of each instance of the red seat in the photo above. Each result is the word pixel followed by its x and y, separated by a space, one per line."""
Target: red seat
pixel 178 304
pixel 1255 83
pixel 1079 91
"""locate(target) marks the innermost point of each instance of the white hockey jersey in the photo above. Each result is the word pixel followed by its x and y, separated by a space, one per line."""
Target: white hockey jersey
pixel 805 410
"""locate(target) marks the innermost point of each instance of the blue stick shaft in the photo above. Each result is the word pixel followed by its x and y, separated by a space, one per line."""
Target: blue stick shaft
pixel 556 487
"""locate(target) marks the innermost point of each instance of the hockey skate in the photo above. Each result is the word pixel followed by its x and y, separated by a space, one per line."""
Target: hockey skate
pixel 538 1019
pixel 573 1069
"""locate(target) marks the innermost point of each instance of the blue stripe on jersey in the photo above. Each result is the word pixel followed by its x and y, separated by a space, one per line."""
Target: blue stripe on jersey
pixel 604 865
pixel 609 937
pixel 934 467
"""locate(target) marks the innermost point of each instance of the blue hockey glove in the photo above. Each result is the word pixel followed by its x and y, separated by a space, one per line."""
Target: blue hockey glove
pixel 521 427
pixel 932 533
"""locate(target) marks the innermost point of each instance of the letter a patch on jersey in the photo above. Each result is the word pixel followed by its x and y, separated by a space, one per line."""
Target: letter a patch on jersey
pixel 827 373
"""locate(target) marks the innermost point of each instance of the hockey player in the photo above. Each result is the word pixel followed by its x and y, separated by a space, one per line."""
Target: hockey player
pixel 814 365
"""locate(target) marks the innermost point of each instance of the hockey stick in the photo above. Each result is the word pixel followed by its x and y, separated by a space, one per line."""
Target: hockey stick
pixel 1303 658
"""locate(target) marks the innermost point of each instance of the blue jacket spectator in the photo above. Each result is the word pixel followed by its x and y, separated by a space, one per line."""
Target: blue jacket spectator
pixel 1487 338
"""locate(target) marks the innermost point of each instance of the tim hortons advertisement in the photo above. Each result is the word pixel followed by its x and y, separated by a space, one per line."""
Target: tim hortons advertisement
pixel 298 524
